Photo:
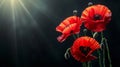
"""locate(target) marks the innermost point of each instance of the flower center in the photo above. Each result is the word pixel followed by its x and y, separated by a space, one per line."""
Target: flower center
pixel 84 50
pixel 71 31
pixel 97 17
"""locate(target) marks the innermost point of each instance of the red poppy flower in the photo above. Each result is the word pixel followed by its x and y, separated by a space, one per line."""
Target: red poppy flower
pixel 70 25
pixel 83 48
pixel 96 17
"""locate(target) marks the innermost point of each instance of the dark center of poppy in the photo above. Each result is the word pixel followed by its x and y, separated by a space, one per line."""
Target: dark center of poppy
pixel 97 17
pixel 71 31
pixel 84 50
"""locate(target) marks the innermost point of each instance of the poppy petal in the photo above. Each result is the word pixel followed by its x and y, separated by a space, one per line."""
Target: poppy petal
pixel 62 38
pixel 70 25
pixel 83 48
pixel 96 17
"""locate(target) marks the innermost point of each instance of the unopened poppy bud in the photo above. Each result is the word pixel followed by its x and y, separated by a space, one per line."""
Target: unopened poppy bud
pixel 90 4
pixel 75 12
pixel 85 31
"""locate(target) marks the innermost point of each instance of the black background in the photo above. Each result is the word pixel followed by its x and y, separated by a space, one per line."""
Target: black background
pixel 37 47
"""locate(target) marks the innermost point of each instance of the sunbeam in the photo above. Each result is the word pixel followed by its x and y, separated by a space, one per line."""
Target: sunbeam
pixel 13 10
pixel 20 9
pixel 2 2
pixel 13 2
pixel 19 15
pixel 26 10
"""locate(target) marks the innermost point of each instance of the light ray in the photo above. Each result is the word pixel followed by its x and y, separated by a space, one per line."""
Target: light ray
pixel 23 6
pixel 22 17
pixel 2 2
pixel 34 23
pixel 13 12
pixel 43 8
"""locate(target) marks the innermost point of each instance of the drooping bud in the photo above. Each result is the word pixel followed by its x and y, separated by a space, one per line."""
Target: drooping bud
pixel 90 4
pixel 75 12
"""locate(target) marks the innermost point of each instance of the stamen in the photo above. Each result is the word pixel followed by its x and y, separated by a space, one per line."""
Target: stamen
pixel 97 17
pixel 85 50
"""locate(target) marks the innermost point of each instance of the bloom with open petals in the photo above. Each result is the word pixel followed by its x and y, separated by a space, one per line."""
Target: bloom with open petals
pixel 70 25
pixel 83 48
pixel 96 17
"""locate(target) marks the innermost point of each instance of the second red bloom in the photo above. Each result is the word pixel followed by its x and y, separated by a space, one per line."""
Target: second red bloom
pixel 83 47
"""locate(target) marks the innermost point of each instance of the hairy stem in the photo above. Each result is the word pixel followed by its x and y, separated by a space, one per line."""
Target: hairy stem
pixel 103 55
pixel 77 35
pixel 84 64
pixel 99 57
pixel 108 52
pixel 95 34
pixel 74 36
pixel 67 55
pixel 103 48
pixel 88 63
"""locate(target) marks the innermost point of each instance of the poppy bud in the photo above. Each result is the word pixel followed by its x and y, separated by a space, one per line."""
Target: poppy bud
pixel 85 31
pixel 75 12
pixel 90 4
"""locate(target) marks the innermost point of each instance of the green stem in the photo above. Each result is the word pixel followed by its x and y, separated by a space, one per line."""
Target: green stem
pixel 108 52
pixel 78 35
pixel 84 64
pixel 99 57
pixel 67 55
pixel 95 34
pixel 103 48
pixel 74 36
pixel 88 63
pixel 103 55
pixel 92 33
pixel 102 39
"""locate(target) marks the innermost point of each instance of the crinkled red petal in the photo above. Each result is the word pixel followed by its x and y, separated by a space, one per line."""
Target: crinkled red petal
pixel 84 41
